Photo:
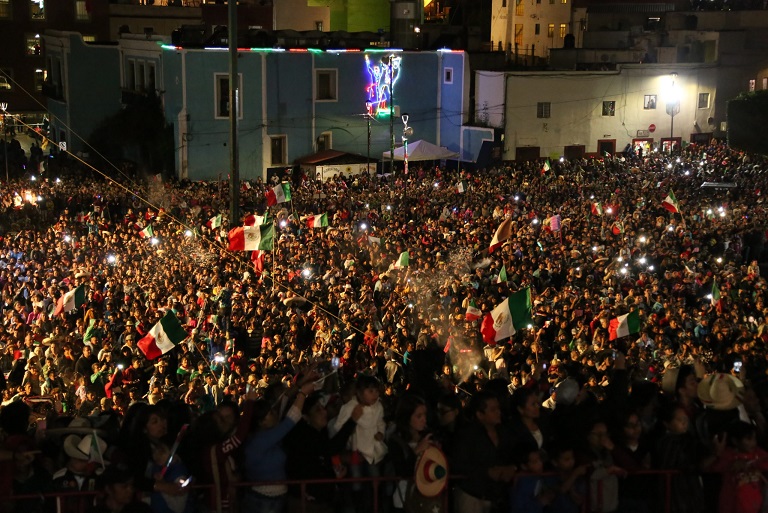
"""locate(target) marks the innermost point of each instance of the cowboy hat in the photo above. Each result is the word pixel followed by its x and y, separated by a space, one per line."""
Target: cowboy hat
pixel 669 380
pixel 721 391
pixel 431 472
pixel 85 448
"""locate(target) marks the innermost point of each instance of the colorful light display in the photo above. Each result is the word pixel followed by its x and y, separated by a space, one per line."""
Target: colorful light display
pixel 382 76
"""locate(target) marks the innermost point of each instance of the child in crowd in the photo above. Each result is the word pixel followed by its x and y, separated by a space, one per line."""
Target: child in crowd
pixel 742 465
pixel 175 473
pixel 528 493
pixel 568 487
pixel 367 442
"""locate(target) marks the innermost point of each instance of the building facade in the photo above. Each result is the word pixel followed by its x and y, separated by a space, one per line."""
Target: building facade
pixel 572 114
pixel 530 27
pixel 292 102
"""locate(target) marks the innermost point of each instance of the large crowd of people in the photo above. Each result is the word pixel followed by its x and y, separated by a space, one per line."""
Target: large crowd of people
pixel 329 356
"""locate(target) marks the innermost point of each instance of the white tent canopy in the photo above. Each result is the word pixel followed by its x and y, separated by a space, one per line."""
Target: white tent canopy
pixel 422 150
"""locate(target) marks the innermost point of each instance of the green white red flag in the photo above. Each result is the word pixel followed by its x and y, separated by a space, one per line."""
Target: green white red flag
pixel 163 337
pixel 279 194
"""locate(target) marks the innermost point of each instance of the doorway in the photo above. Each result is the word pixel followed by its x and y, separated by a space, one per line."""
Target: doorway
pixel 642 146
pixel 606 147
pixel 575 151
pixel 523 153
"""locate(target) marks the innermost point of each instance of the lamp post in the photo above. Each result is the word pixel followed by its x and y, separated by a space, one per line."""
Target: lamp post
pixel 673 107
pixel 392 114
pixel 407 132
pixel 368 106
pixel 4 108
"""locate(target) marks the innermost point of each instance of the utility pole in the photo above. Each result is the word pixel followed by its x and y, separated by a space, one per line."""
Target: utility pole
pixel 4 108
pixel 392 115
pixel 368 107
pixel 234 110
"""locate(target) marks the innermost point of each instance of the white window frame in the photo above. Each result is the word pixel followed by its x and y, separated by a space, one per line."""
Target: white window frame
pixel 334 74
pixel 327 136
pixel 698 101
pixel 545 109
pixel 284 157
pixel 448 75
pixel 216 81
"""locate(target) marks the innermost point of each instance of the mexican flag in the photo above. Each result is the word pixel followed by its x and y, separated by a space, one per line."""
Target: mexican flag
pixel 546 167
pixel 624 325
pixel 473 312
pixel 402 261
pixel 163 337
pixel 503 232
pixel 72 300
pixel 147 232
pixel 512 314
pixel 251 238
pixel 214 222
pixel 279 194
pixel 374 240
pixel 670 203
pixel 320 221
pixel 462 187
pixel 254 220
pixel 715 300
pixel 502 275
pixel 617 228
pixel 597 208
pixel 257 258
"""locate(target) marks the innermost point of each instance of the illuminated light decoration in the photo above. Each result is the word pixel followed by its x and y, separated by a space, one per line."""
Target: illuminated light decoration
pixel 302 50
pixel 382 78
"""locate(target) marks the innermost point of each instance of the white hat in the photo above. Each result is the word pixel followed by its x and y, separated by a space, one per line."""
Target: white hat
pixel 85 448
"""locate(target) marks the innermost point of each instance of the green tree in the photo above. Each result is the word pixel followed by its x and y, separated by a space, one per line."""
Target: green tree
pixel 137 133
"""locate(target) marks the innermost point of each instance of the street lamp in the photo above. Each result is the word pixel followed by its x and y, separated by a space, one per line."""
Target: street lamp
pixel 673 106
pixel 368 111
pixel 407 132
pixel 4 108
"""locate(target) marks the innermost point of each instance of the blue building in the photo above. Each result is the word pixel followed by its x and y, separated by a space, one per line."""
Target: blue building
pixel 292 102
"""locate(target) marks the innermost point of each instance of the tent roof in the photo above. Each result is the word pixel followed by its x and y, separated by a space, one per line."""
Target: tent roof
pixel 422 150
pixel 327 157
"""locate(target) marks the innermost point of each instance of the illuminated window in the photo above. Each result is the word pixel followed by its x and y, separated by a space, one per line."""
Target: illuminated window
pixel 518 34
pixel 81 11
pixel 5 9
pixel 222 95
pixel 752 86
pixel 609 108
pixel 89 39
pixel 37 9
pixel 326 88
pixel 33 44
pixel 324 141
pixel 563 1
pixel 40 76
pixel 6 74
pixel 519 8
pixel 551 30
pixel 542 109
pixel 277 146
pixel 562 30
pixel 765 84
pixel 703 100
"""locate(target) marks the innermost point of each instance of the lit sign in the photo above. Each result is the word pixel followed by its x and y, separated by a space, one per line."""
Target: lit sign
pixel 382 77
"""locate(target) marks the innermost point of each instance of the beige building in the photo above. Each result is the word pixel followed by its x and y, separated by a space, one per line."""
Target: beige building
pixel 530 27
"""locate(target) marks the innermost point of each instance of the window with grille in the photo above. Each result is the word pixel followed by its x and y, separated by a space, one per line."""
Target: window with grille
pixel 81 11
pixel 519 8
pixel 703 100
pixel 542 109
pixel 551 30
pixel 563 30
pixel 277 146
pixel 519 34
pixel 326 88
pixel 221 86
pixel 37 9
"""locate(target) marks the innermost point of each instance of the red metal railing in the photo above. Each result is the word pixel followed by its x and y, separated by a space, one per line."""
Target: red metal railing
pixel 85 499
